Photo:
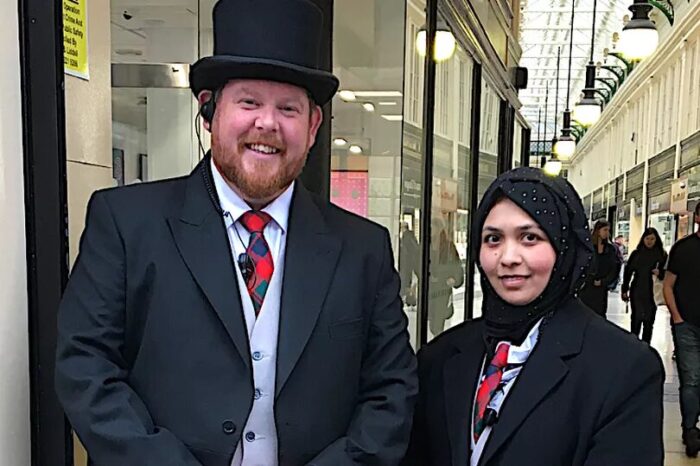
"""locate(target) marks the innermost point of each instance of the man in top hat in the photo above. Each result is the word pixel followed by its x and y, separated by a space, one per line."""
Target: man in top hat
pixel 230 317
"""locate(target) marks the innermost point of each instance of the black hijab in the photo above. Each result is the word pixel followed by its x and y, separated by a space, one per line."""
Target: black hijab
pixel 554 204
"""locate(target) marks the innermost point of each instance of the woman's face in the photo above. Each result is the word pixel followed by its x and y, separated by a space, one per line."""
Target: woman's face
pixel 516 254
pixel 604 233
pixel 649 241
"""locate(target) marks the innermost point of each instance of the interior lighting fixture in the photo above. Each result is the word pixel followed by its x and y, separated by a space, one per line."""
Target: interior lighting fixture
pixel 347 96
pixel 445 42
pixel 552 167
pixel 639 36
pixel 377 94
pixel 565 146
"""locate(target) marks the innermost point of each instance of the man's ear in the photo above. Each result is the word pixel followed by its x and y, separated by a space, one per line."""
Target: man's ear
pixel 315 120
pixel 203 97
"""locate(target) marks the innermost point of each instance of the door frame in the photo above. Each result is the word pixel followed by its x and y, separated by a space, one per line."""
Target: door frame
pixel 46 218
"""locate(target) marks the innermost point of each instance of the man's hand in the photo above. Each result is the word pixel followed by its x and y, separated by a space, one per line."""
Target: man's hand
pixel 625 297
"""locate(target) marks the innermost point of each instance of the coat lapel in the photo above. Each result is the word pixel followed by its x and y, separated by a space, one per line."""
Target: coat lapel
pixel 311 258
pixel 200 236
pixel 460 378
pixel 544 370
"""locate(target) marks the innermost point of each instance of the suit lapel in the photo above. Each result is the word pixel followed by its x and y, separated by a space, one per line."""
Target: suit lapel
pixel 200 237
pixel 311 258
pixel 543 371
pixel 460 378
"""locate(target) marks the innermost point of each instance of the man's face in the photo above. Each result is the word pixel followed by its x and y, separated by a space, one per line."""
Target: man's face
pixel 261 134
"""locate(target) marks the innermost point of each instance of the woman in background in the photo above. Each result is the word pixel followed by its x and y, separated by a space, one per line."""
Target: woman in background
pixel 604 270
pixel 645 263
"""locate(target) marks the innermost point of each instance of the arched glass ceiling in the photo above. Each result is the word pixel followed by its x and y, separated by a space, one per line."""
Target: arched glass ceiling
pixel 545 26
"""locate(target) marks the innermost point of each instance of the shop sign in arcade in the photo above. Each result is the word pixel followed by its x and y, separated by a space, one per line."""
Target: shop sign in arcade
pixel 679 196
pixel 445 194
pixel 75 46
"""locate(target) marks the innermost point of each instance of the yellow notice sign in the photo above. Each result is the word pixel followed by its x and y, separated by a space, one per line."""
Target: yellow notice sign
pixel 75 47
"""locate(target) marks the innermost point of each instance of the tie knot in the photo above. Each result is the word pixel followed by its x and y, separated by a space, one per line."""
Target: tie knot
pixel 500 359
pixel 255 221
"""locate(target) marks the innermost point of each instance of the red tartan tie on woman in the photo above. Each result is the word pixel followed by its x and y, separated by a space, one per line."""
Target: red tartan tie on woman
pixel 259 254
pixel 492 378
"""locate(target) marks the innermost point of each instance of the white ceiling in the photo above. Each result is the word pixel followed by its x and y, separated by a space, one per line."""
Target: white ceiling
pixel 368 56
pixel 545 26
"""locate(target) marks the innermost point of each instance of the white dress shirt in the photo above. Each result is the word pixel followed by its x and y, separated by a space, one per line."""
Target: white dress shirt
pixel 517 355
pixel 258 444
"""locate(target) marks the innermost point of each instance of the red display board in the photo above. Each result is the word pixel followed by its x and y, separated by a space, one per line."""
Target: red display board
pixel 349 190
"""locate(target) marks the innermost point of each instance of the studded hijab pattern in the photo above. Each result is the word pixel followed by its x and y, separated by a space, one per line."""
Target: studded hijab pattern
pixel 554 204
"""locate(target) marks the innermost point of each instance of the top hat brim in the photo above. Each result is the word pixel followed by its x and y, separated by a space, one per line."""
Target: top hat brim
pixel 211 73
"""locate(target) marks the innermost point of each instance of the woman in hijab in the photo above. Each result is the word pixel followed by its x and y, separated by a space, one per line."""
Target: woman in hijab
pixel 604 271
pixel 540 379
pixel 645 263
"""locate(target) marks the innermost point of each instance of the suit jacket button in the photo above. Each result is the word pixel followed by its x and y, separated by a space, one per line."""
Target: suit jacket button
pixel 229 427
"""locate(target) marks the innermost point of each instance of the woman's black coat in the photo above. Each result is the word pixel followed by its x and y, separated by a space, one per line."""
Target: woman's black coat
pixel 589 395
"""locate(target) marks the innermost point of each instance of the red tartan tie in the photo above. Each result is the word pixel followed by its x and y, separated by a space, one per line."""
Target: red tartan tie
pixel 259 255
pixel 492 378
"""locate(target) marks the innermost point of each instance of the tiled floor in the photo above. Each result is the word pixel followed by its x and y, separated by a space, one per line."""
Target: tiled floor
pixel 663 342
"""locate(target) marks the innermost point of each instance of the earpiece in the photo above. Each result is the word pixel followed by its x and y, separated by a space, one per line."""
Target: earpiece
pixel 208 109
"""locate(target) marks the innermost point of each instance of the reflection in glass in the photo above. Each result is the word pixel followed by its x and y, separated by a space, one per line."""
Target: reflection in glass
pixel 488 160
pixel 450 193
pixel 366 126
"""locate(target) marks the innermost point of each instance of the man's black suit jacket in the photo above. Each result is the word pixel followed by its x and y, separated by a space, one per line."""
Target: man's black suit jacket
pixel 153 362
pixel 590 394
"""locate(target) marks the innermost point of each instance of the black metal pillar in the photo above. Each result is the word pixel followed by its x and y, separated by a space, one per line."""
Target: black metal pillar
pixel 525 147
pixel 46 221
pixel 505 136
pixel 475 139
pixel 317 172
pixel 427 170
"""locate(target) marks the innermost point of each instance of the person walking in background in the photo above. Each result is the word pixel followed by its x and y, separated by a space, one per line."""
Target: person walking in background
pixel 409 253
pixel 619 243
pixel 604 270
pixel 446 274
pixel 681 285
pixel 645 264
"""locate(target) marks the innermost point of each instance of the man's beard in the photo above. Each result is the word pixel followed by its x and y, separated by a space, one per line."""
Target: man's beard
pixel 259 183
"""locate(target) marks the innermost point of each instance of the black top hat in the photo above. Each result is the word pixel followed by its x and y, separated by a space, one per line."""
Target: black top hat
pixel 276 40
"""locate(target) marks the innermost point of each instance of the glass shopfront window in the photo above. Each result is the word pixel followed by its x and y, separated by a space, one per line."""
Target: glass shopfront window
pixel 366 130
pixel 488 159
pixel 450 215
